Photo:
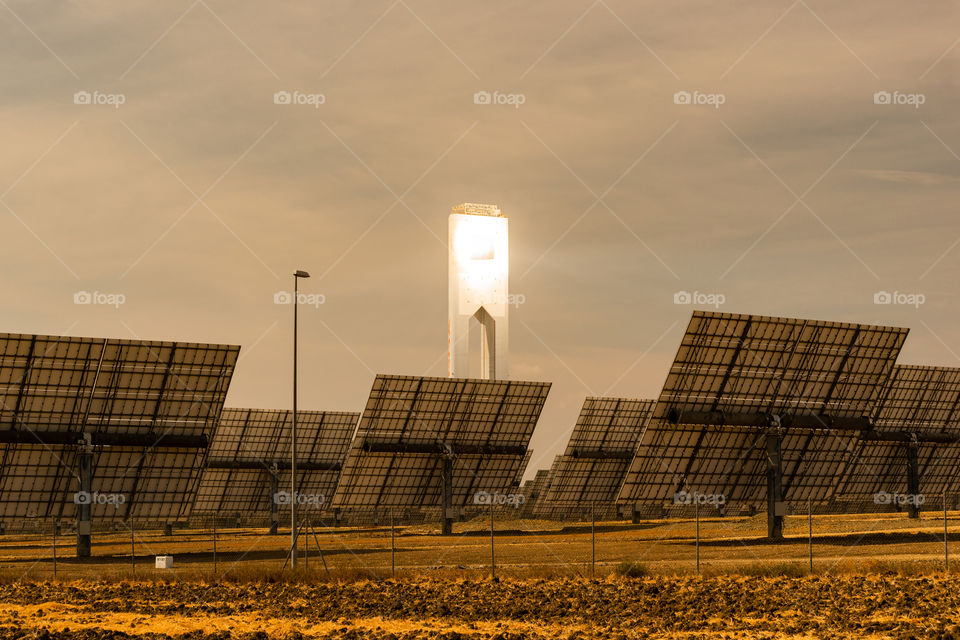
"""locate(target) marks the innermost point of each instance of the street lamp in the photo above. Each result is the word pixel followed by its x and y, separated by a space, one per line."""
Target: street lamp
pixel 293 427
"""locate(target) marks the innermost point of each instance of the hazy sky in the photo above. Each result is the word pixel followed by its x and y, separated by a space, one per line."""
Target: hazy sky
pixel 197 196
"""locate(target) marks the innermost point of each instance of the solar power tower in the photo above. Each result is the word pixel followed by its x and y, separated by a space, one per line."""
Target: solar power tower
pixel 438 442
pixel 757 407
pixel 249 462
pixel 106 428
pixel 913 454
pixel 601 446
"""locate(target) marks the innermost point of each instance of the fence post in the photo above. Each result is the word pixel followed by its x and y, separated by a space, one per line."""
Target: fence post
pixel 393 547
pixel 214 547
pixel 133 551
pixel 493 560
pixel 810 532
pixel 946 547
pixel 697 515
pixel 593 541
pixel 55 547
pixel 320 550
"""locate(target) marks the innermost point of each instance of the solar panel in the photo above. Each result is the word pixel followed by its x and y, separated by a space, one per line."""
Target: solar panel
pixel 412 425
pixel 735 377
pixel 523 467
pixel 249 460
pixel 920 399
pixel 147 408
pixel 600 449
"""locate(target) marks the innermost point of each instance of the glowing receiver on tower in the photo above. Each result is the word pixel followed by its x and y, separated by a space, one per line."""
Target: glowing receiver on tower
pixel 479 274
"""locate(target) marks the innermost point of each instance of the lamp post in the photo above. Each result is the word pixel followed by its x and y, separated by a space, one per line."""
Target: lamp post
pixel 293 427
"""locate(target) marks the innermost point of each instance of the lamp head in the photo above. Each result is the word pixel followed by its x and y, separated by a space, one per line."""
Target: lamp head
pixel 301 274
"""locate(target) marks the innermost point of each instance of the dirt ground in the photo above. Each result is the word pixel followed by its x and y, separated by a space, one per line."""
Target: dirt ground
pixel 875 606
pixel 876 576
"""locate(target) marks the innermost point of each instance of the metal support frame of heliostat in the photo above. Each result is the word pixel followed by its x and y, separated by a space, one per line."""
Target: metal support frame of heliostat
pixel 776 507
pixel 84 507
pixel 448 515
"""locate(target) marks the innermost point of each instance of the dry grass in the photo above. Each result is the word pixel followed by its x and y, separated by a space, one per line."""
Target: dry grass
pixel 842 544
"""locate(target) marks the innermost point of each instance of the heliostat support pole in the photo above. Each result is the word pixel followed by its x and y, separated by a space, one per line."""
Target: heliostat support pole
pixel 84 499
pixel 776 509
pixel 274 507
pixel 447 526
pixel 913 479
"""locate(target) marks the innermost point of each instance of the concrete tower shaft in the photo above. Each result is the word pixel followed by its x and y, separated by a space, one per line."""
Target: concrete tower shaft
pixel 479 285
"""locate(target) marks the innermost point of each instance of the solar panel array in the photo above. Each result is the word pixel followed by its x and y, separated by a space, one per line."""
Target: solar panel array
pixel 54 389
pixel 915 399
pixel 412 415
pixel 250 445
pixel 600 449
pixel 735 380
pixel 533 489
pixel 740 364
